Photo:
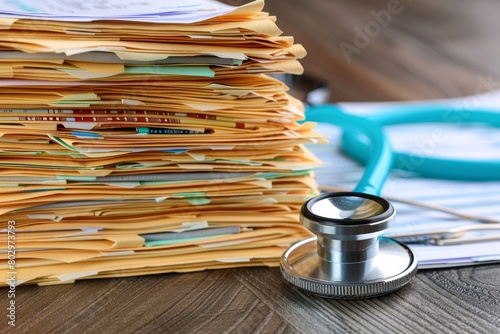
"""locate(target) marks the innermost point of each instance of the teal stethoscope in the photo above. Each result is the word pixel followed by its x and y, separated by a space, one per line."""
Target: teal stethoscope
pixel 347 259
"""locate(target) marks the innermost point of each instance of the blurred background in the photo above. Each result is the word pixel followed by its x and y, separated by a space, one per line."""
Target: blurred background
pixel 373 50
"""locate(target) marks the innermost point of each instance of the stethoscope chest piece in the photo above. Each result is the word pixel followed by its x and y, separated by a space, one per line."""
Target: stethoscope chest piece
pixel 348 259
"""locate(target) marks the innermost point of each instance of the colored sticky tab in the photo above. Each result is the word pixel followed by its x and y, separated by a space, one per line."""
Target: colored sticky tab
pixel 168 238
pixel 89 96
pixel 189 194
pixel 195 198
pixel 200 71
pixel 198 200
pixel 156 243
pixel 62 142
pixel 85 134
pixel 76 178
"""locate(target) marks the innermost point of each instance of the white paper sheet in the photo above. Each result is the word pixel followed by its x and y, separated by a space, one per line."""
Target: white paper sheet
pixel 474 142
pixel 164 11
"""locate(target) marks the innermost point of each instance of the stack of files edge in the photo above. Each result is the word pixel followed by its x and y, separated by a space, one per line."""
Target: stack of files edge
pixel 147 137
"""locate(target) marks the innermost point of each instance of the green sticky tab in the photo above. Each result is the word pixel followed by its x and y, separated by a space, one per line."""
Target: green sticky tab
pixel 200 71
pixel 89 96
pixel 198 200
pixel 155 243
pixel 76 178
pixel 195 198
pixel 143 130
pixel 269 176
pixel 189 194
pixel 62 142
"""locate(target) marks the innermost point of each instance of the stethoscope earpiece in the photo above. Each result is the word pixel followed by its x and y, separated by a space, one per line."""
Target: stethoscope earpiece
pixel 348 259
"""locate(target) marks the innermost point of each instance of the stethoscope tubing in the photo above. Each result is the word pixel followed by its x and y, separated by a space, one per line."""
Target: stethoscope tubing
pixel 378 155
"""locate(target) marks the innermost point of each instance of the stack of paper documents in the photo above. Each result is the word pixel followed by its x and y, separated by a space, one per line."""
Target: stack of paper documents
pixel 147 137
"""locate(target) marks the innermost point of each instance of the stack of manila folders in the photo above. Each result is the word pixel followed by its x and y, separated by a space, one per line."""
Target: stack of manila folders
pixel 147 137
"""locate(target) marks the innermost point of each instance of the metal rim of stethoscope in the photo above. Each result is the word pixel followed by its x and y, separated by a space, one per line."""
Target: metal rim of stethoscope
pixel 347 259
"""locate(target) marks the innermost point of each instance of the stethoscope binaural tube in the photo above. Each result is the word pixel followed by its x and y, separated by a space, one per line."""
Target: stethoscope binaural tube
pixel 348 259
pixel 453 169
pixel 379 155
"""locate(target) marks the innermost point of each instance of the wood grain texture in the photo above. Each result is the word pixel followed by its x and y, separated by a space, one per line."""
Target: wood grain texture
pixel 432 49
pixel 258 300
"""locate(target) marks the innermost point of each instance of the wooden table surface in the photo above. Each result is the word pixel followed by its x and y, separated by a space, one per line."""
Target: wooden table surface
pixel 426 49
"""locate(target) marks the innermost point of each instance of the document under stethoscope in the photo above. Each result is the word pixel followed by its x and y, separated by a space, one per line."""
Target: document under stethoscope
pixel 446 223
